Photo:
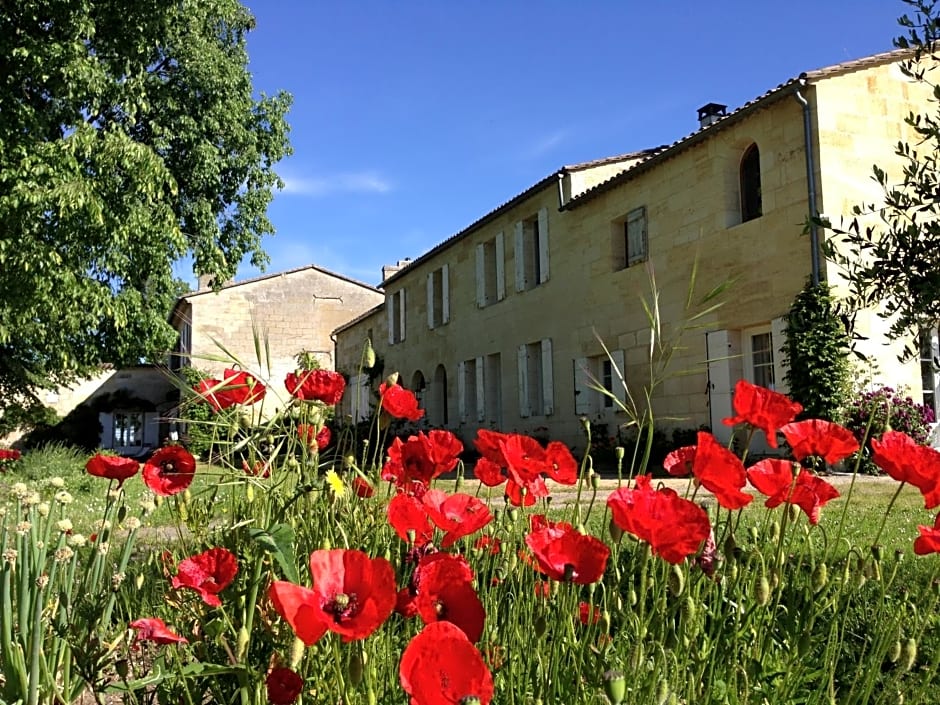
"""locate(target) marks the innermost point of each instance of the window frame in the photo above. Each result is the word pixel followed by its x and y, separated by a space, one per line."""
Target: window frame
pixel 750 184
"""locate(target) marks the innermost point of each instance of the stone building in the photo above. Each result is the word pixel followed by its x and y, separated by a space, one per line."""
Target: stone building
pixel 505 323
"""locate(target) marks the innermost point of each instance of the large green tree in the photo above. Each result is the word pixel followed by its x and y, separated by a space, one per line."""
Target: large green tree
pixel 130 139
pixel 896 261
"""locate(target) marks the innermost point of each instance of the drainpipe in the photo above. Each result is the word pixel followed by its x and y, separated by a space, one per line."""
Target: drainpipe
pixel 561 190
pixel 810 179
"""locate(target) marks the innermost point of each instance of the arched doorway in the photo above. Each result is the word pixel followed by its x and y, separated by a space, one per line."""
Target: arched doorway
pixel 437 399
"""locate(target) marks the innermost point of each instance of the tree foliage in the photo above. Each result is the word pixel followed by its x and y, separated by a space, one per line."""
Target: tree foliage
pixel 816 349
pixel 130 139
pixel 896 262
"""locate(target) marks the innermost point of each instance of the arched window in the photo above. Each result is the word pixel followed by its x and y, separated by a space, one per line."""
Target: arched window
pixel 437 404
pixel 750 184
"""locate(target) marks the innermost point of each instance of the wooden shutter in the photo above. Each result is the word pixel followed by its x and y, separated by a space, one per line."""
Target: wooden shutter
pixel 500 266
pixel 481 276
pixel 401 311
pixel 430 299
pixel 445 294
pixel 543 245
pixel 777 339
pixel 481 395
pixel 390 309
pixel 583 394
pixel 519 255
pixel 462 390
pixel 548 388
pixel 522 365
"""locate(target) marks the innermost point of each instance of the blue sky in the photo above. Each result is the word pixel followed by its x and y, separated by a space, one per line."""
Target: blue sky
pixel 413 119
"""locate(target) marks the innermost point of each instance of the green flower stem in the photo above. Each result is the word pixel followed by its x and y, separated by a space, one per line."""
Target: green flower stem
pixel 884 519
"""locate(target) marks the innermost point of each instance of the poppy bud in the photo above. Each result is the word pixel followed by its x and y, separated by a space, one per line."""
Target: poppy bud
pixel 250 493
pixel 470 700
pixel 730 546
pixel 412 536
pixel 687 612
pixel 632 598
pixel 676 581
pixel 292 463
pixel 616 533
pixel 121 667
pixel 605 621
pixel 774 532
pixel 371 698
pixel 804 643
pixel 369 357
pixel 618 453
pixel 514 512
pixel 615 686
pixel 513 561
pixel 139 581
pixel 244 421
pixel 732 571
pixel 241 645
pixel 877 551
pixel 297 652
pixel 355 669
pixel 540 626
pixel 122 513
pixel 595 481
pixel 391 380
pixel 793 512
pixel 894 653
pixel 458 484
pixel 754 533
pixel 908 655
pixel 820 577
pixel 662 693
pixel 762 591
pixel 325 543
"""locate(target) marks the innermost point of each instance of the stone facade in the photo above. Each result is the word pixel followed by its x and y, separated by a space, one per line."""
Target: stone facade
pixel 505 324
pixel 262 324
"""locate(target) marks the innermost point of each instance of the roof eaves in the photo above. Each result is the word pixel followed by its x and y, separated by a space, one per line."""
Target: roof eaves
pixel 730 119
pixel 361 317
pixel 549 180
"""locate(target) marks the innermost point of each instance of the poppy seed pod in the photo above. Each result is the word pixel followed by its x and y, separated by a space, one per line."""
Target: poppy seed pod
pixel 540 626
pixel 618 453
pixel 662 693
pixel 615 686
pixel 369 356
pixel 676 581
pixel 616 533
pixel 894 653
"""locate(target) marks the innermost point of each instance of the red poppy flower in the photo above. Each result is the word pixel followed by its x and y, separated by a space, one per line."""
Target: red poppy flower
pixel 488 472
pixel 720 472
pixel 112 467
pixel 283 686
pixel 154 629
pixel 352 595
pixel 673 526
pixel 905 460
pixel 11 454
pixel 775 478
pixel 488 444
pixel 420 459
pixel 565 554
pixel 170 470
pixel 929 539
pixel 235 388
pixel 313 438
pixel 406 604
pixel 587 615
pixel 458 515
pixel 525 495
pixel 362 488
pixel 488 544
pixel 316 385
pixel 208 573
pixel 762 408
pixel 441 666
pixel 400 402
pixel 443 593
pixel 525 457
pixel 406 514
pixel 679 462
pixel 560 464
pixel 824 439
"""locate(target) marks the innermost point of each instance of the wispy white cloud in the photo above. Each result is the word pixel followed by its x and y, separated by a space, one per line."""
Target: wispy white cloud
pixel 346 182
pixel 546 143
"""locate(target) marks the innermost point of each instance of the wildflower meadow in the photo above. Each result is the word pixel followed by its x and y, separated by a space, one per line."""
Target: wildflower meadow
pixel 316 565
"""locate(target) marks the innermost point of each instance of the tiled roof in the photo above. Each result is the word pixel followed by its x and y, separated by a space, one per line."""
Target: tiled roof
pixel 731 118
pixel 361 317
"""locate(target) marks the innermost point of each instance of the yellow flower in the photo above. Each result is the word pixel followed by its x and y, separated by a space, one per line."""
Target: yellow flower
pixel 335 483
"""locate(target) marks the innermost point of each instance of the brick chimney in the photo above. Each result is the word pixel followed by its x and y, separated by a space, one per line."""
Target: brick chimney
pixel 389 270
